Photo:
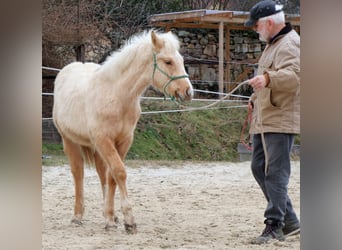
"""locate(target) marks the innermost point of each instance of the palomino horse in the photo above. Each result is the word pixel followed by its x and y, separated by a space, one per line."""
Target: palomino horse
pixel 96 109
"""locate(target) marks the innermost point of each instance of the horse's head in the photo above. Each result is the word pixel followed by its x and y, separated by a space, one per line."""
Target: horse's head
pixel 169 74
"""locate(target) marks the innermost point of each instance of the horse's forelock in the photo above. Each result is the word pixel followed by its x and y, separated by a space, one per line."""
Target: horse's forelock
pixel 171 40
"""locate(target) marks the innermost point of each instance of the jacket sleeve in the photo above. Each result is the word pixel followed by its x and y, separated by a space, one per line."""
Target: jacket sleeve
pixel 286 73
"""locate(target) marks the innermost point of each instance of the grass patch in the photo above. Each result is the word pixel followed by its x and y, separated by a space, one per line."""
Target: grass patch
pixel 206 135
pixel 52 154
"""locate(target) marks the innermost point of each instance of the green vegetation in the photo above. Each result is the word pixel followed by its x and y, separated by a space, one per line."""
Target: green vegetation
pixel 52 154
pixel 203 135
pixel 209 135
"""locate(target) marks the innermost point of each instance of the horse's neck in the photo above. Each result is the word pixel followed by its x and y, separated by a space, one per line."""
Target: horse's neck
pixel 132 76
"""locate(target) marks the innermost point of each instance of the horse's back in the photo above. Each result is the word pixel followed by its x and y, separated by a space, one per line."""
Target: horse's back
pixel 69 110
pixel 74 75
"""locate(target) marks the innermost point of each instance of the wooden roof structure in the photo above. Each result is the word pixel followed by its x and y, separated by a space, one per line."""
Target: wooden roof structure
pixel 223 20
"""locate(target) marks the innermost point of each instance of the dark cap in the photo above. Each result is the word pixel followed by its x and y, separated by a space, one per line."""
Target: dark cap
pixel 262 9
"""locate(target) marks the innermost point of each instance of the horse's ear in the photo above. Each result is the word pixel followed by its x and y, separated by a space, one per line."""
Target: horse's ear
pixel 156 41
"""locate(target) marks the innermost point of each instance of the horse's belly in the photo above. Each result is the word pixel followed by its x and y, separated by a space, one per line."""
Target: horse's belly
pixel 69 110
pixel 77 137
pixel 73 130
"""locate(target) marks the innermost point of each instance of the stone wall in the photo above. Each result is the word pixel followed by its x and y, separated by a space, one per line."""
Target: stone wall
pixel 198 46
pixel 200 50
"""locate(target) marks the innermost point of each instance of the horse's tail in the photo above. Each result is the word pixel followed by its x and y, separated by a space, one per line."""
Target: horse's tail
pixel 88 155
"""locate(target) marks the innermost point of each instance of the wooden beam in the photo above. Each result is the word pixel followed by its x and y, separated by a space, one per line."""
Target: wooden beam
pixel 204 25
pixel 191 14
pixel 177 15
pixel 201 25
pixel 217 18
pixel 187 25
pixel 209 17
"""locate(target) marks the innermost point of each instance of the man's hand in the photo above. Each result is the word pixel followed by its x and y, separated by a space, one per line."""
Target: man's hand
pixel 258 82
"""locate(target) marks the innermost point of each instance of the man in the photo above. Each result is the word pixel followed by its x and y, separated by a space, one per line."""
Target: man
pixel 275 105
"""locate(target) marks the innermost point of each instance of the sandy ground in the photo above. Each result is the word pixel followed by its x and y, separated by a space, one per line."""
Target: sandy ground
pixel 177 205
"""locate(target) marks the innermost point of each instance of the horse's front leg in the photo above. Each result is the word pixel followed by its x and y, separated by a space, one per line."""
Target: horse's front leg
pixel 117 170
pixel 108 185
pixel 109 212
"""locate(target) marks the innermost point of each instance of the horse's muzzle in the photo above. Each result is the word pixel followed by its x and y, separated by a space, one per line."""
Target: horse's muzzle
pixel 187 95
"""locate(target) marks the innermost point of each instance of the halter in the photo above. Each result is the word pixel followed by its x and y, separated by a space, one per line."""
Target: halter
pixel 171 78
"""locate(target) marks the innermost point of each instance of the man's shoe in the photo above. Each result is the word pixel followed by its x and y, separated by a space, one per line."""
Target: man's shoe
pixel 291 229
pixel 272 231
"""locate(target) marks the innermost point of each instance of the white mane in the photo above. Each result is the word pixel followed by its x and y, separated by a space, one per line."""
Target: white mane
pixel 138 47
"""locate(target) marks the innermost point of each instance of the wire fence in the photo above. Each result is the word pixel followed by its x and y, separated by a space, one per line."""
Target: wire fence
pixel 50 133
pixel 241 99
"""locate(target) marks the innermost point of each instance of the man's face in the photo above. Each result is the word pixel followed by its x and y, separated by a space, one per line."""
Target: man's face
pixel 261 29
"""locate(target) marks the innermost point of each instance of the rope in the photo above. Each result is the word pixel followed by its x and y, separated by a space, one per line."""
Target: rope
pixel 218 101
pixel 173 111
pixel 186 110
pixel 193 100
pixel 219 93
pixel 244 127
pixel 262 134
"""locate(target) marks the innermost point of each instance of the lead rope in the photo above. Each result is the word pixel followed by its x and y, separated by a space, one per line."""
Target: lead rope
pixel 247 121
pixel 214 103
pixel 264 146
pixel 171 78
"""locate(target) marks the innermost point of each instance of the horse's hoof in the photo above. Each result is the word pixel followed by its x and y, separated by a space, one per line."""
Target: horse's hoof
pixel 77 221
pixel 111 223
pixel 131 229
pixel 108 227
pixel 116 220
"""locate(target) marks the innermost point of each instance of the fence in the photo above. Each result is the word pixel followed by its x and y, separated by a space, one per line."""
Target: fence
pixel 51 135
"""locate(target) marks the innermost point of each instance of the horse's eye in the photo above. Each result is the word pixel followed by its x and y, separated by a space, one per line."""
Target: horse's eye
pixel 168 62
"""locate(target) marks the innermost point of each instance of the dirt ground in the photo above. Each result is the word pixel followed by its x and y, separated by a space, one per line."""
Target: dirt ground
pixel 177 205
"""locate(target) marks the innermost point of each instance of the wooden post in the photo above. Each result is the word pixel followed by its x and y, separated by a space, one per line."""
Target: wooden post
pixel 80 53
pixel 227 58
pixel 220 82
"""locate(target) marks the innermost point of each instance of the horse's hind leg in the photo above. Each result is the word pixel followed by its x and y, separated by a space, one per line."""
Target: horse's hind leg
pixel 73 152
pixel 108 185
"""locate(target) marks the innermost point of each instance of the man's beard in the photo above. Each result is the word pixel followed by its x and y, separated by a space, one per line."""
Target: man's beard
pixel 263 37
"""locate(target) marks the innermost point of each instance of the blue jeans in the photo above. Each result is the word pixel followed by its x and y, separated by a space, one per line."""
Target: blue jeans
pixel 274 183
